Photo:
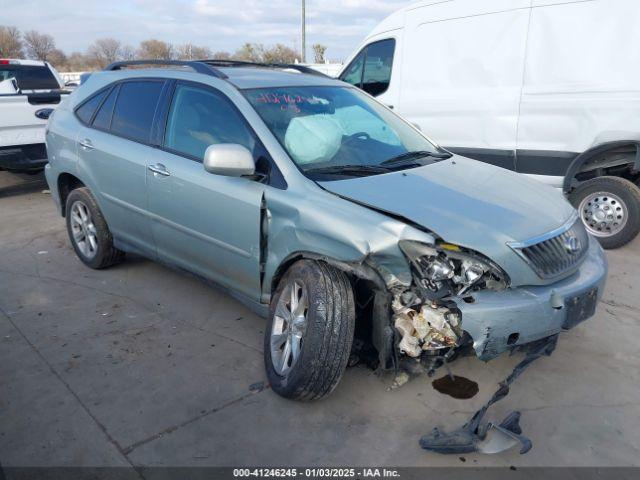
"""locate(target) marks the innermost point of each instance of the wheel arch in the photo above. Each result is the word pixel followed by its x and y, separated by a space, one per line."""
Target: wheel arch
pixel 597 155
pixel 369 285
pixel 66 183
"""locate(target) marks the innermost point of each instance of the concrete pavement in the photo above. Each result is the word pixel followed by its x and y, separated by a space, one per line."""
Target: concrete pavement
pixel 142 365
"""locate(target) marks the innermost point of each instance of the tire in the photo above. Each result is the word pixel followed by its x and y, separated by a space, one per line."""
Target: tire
pixel 618 196
pixel 326 339
pixel 99 253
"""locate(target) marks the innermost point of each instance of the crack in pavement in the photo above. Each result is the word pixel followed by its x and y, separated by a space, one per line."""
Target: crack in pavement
pixel 150 311
pixel 613 303
pixel 72 392
pixel 173 428
pixel 132 300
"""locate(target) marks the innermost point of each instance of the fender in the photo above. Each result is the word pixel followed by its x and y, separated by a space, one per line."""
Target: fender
pixel 599 148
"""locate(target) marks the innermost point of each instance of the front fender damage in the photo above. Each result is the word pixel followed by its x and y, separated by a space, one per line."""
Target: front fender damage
pixel 411 330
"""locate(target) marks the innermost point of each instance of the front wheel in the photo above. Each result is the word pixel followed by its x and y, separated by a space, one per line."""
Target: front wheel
pixel 308 340
pixel 609 208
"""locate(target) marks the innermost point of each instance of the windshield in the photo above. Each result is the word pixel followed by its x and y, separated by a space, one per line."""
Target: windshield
pixel 337 131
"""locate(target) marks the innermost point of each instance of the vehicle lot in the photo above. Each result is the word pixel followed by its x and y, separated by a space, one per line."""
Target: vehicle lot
pixel 147 366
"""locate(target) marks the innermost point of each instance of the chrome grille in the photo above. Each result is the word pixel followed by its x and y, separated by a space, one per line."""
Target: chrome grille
pixel 558 251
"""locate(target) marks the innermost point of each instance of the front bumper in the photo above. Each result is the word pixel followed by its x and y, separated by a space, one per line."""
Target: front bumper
pixel 497 321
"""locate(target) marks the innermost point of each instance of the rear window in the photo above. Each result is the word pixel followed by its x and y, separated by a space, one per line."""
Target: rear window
pixel 30 77
pixel 103 117
pixel 135 108
pixel 85 111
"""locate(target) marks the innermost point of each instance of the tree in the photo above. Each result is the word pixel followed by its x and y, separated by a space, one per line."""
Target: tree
pixel 189 51
pixel 318 53
pixel 280 53
pixel 38 45
pixel 127 52
pixel 10 42
pixel 221 55
pixel 104 51
pixel 77 62
pixel 250 52
pixel 154 49
pixel 58 59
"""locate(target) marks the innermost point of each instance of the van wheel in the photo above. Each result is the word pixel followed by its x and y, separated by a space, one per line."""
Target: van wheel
pixel 88 231
pixel 308 340
pixel 609 208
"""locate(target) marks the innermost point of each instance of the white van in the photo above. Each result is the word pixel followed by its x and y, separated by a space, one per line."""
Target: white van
pixel 548 88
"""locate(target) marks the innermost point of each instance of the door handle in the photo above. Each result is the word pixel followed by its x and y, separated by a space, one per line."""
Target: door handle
pixel 159 169
pixel 86 144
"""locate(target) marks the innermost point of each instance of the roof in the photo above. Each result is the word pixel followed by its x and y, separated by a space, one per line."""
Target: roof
pixel 242 75
pixel 266 77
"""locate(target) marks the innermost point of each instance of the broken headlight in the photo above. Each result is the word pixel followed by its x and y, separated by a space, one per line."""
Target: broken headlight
pixel 446 269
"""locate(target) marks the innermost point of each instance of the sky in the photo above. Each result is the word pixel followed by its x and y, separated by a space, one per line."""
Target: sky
pixel 219 24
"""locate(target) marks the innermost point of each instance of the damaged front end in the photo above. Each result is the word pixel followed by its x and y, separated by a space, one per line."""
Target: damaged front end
pixel 430 331
pixel 425 315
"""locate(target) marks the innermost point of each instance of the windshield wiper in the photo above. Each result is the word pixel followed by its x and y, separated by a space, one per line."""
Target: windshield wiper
pixel 349 170
pixel 404 157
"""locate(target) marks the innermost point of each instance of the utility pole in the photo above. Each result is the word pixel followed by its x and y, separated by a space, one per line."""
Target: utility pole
pixel 303 36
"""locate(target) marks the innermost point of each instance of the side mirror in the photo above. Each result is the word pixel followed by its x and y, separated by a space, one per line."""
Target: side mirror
pixel 229 159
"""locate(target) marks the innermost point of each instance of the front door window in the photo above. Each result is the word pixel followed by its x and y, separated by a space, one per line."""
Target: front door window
pixel 371 69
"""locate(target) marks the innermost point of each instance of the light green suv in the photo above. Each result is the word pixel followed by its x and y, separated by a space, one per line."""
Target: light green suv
pixel 321 209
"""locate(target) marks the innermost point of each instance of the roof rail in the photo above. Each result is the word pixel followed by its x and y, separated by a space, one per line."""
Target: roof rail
pixel 242 63
pixel 196 65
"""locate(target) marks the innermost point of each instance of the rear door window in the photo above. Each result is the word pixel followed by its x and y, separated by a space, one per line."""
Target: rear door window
pixel 86 110
pixel 30 77
pixel 371 69
pixel 103 117
pixel 135 108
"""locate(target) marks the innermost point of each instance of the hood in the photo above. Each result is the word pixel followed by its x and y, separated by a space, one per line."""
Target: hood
pixel 465 202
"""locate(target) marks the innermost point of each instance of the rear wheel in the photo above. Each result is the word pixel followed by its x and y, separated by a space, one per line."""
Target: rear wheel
pixel 88 231
pixel 308 340
pixel 609 208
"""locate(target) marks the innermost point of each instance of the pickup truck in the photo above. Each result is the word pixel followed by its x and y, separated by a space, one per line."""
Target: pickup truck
pixel 29 91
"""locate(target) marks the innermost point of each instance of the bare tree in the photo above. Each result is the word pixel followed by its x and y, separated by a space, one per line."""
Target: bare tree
pixel 154 49
pixel 10 42
pixel 250 52
pixel 104 51
pixel 280 53
pixel 189 51
pixel 57 58
pixel 127 52
pixel 38 45
pixel 221 55
pixel 318 53
pixel 77 62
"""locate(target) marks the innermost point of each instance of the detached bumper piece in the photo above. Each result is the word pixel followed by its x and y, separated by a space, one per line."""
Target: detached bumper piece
pixel 476 436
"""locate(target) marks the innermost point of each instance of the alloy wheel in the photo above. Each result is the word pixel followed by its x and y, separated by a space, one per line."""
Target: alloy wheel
pixel 289 327
pixel 83 230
